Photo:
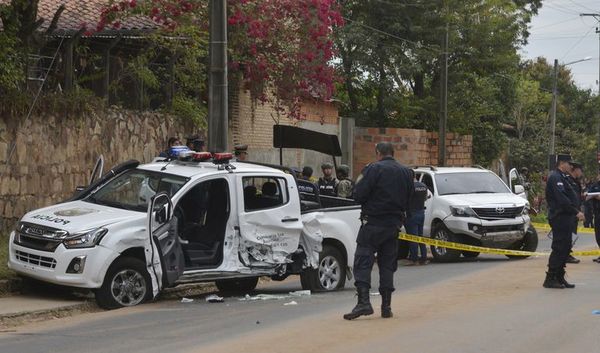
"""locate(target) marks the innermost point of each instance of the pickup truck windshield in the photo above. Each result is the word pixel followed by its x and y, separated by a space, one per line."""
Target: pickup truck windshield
pixel 133 189
pixel 469 183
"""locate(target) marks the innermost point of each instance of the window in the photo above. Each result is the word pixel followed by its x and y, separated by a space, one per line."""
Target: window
pixel 264 192
pixel 133 189
pixel 470 183
pixel 427 180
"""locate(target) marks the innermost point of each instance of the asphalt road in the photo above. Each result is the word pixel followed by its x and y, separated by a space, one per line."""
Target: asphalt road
pixel 490 304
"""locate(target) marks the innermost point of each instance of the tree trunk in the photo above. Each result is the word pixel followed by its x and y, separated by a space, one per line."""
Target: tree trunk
pixel 347 64
pixel 381 114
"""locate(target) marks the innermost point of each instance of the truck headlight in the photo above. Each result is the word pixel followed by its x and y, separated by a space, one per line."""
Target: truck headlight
pixel 462 211
pixel 87 239
pixel 525 211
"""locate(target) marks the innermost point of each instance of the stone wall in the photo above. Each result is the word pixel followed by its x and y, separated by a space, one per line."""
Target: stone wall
pixel 53 155
pixel 412 147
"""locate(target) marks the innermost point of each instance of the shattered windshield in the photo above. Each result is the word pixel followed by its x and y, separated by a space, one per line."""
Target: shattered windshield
pixel 469 183
pixel 133 189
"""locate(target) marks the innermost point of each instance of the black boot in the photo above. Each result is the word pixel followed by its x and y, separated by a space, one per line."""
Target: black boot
pixel 552 280
pixel 386 304
pixel 560 275
pixel 363 307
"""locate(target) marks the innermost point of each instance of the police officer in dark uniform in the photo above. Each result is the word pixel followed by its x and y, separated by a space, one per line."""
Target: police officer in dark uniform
pixel 384 194
pixel 574 176
pixel 562 214
pixel 327 183
pixel 240 152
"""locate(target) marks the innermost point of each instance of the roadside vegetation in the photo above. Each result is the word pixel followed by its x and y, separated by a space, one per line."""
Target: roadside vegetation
pixel 5 273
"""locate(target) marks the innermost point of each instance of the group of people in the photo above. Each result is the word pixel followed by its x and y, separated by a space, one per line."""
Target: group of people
pixel 339 185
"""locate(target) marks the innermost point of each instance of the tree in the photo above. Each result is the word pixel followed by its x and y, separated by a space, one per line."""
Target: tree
pixel 280 49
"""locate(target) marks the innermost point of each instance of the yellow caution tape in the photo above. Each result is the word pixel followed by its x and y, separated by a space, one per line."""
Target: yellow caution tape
pixel 483 250
pixel 544 226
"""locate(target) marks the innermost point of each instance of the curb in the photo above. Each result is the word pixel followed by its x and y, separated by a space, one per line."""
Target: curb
pixel 16 319
pixel 10 285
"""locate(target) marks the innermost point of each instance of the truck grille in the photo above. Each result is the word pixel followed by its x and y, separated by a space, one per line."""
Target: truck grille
pixel 39 237
pixel 36 260
pixel 498 212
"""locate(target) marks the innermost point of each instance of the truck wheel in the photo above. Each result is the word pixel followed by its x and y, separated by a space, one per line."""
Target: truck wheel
pixel 403 249
pixel 127 283
pixel 245 284
pixel 331 274
pixel 529 243
pixel 440 232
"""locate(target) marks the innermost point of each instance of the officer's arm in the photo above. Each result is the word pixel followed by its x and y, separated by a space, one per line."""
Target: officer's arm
pixel 363 187
pixel 557 189
pixel 410 192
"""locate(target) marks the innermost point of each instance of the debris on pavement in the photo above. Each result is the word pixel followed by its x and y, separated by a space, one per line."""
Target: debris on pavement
pixel 213 298
pixel 291 303
pixel 374 294
pixel 300 293
pixel 250 298
pixel 186 300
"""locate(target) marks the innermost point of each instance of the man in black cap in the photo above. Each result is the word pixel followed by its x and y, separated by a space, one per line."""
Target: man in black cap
pixel 562 214
pixel 195 143
pixel 384 194
pixel 327 183
pixel 241 152
pixel 574 177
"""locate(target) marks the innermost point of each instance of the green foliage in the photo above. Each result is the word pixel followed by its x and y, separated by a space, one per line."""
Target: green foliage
pixel 189 108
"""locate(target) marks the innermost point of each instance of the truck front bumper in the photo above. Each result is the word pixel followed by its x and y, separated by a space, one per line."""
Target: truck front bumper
pixel 490 233
pixel 54 267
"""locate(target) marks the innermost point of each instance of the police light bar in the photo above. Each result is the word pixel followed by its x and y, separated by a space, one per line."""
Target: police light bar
pixel 222 158
pixel 201 156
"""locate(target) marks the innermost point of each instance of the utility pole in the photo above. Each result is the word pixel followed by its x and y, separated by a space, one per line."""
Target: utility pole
pixel 443 101
pixel 597 17
pixel 553 113
pixel 217 81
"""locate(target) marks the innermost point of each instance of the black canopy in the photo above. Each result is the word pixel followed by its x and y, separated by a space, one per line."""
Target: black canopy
pixel 295 137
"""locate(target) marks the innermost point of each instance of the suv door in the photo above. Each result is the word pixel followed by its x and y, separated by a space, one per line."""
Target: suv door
pixel 164 251
pixel 269 219
pixel 427 179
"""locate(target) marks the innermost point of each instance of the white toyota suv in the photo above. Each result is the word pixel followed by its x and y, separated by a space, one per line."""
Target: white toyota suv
pixel 474 206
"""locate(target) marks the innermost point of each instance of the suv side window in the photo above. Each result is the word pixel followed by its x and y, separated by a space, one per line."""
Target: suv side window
pixel 428 180
pixel 264 192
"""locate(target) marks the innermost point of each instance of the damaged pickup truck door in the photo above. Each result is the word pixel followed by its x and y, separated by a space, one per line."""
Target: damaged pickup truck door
pixel 269 219
pixel 164 254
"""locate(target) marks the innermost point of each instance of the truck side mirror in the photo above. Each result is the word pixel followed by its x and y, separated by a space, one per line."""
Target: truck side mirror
pixel 519 189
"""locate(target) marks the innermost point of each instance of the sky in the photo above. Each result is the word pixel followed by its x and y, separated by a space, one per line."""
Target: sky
pixel 559 32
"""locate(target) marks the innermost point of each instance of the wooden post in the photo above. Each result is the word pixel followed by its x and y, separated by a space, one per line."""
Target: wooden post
pixel 69 49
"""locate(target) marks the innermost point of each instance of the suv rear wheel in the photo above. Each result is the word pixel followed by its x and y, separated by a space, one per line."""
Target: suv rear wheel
pixel 440 232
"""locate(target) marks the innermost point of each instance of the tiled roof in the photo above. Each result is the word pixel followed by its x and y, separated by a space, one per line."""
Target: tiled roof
pixel 79 13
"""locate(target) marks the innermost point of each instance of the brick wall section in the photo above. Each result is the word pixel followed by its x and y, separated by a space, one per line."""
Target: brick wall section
pixel 54 155
pixel 412 147
pixel 252 123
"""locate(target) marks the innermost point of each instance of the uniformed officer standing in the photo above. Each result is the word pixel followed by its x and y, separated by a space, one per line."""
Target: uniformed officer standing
pixel 384 194
pixel 327 183
pixel 574 176
pixel 562 213
pixel 240 152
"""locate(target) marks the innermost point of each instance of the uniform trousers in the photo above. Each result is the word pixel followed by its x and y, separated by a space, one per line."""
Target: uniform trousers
pixel 381 240
pixel 562 227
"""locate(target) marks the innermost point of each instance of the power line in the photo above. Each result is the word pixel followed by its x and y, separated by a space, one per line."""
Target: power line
pixel 577 43
pixel 580 5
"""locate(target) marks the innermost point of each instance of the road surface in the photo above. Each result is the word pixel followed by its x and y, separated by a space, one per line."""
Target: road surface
pixel 490 304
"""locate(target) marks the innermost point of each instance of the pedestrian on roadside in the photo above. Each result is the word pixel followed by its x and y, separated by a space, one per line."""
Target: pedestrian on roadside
pixel 595 200
pixel 173 141
pixel 414 224
pixel 562 213
pixel 345 185
pixel 384 193
pixel 327 183
pixel 588 207
pixel 574 177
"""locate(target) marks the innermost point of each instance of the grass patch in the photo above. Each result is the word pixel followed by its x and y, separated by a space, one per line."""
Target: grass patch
pixel 5 273
pixel 539 218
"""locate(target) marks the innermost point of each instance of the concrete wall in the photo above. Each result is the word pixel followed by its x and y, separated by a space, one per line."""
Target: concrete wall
pixel 412 147
pixel 53 155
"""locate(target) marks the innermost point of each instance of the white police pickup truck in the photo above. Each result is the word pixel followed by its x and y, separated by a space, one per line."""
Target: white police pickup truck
pixel 474 206
pixel 142 228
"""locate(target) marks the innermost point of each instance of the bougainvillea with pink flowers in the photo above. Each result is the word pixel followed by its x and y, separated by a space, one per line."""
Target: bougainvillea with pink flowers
pixel 280 49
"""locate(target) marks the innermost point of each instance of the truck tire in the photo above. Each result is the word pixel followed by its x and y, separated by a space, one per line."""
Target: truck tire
pixel 529 243
pixel 127 283
pixel 331 274
pixel 440 232
pixel 236 285
pixel 470 254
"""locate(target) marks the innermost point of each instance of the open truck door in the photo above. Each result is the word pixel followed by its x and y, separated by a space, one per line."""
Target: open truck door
pixel 164 254
pixel 516 183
